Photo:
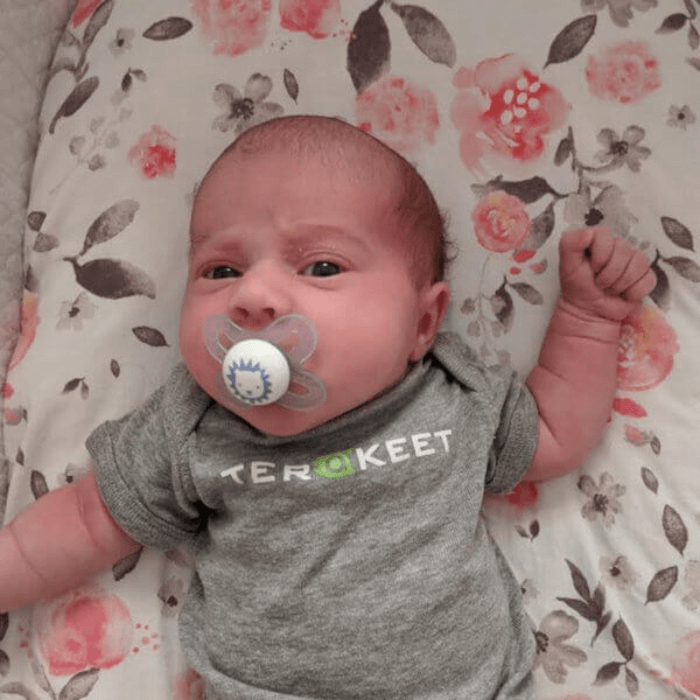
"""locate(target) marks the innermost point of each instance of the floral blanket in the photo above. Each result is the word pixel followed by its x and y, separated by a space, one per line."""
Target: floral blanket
pixel 528 119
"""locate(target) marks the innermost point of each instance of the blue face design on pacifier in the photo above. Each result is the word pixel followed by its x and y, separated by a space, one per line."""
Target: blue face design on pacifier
pixel 264 366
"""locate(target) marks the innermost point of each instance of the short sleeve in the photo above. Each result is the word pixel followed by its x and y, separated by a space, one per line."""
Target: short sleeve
pixel 517 432
pixel 141 467
pixel 506 404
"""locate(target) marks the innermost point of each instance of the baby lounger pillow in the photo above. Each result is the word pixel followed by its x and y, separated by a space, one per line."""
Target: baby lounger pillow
pixel 527 119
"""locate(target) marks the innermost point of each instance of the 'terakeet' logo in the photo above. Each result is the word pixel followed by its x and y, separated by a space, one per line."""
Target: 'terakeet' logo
pixel 349 462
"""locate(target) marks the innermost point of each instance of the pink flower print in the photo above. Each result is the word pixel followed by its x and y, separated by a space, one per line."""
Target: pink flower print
pixel 318 18
pixel 189 686
pixel 502 108
pixel 89 628
pixel 14 416
pixel 523 497
pixel 624 73
pixel 646 352
pixel 11 416
pixel 154 153
pixel 235 26
pixel 27 330
pixel 685 669
pixel 635 436
pixel 500 222
pixel 517 506
pixel 83 10
pixel 398 112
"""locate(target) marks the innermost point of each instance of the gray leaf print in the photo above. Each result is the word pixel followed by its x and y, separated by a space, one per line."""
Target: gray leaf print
pixel 677 232
pixel 150 336
pixel 80 685
pixel 113 279
pixel 662 584
pixel 78 97
pixel 126 565
pixel 38 484
pixel 650 480
pixel 99 18
pixel 685 268
pixel 661 294
pixel 541 229
pixel 572 39
pixel 369 49
pixel 20 689
pixel 674 528
pixel 110 223
pixel 528 293
pixel 291 84
pixel 44 242
pixel 166 29
pixel 672 23
pixel 428 33
pixel 623 639
pixel 35 220
pixel 502 307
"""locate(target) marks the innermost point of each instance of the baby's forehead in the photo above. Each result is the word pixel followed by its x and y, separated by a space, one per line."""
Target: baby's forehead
pixel 347 164
pixel 357 160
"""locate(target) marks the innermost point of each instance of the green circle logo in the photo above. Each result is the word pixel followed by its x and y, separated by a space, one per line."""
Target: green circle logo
pixel 334 466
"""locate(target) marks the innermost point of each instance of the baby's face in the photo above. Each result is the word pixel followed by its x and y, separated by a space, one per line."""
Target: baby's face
pixel 275 236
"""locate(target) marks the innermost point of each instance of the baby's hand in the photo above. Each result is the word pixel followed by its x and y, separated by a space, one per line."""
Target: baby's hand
pixel 602 275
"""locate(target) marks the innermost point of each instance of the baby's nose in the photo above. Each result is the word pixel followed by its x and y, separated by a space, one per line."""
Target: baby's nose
pixel 259 297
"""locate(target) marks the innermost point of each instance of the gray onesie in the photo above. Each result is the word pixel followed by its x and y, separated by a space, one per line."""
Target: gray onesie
pixel 348 562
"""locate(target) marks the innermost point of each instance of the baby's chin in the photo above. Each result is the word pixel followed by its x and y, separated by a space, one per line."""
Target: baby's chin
pixel 279 421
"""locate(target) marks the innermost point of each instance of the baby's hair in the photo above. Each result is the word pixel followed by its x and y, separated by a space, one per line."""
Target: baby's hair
pixel 421 225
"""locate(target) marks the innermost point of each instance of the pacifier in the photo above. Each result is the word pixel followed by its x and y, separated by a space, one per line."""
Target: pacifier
pixel 262 367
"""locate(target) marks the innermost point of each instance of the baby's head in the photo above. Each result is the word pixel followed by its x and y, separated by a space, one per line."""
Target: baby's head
pixel 416 220
pixel 309 216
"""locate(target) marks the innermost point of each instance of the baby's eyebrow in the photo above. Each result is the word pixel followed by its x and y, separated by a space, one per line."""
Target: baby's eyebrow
pixel 311 235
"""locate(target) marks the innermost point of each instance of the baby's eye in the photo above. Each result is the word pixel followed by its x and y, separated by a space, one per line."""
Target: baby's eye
pixel 323 268
pixel 221 272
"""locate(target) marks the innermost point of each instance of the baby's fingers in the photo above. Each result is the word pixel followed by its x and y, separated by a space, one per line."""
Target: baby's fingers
pixel 625 270
pixel 602 249
pixel 573 246
pixel 643 286
pixel 610 261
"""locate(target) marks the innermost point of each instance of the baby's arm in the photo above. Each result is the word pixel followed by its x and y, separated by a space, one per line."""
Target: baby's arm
pixel 58 542
pixel 602 280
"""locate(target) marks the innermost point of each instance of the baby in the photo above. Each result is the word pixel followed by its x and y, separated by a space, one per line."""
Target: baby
pixel 338 545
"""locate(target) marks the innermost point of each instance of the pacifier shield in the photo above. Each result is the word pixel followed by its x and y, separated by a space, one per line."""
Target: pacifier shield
pixel 256 372
pixel 264 366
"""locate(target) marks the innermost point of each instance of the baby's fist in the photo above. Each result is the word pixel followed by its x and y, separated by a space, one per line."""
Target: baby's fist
pixel 603 275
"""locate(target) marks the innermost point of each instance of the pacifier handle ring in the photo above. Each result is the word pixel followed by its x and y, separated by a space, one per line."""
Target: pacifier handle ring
pixel 220 326
pixel 217 327
pixel 315 392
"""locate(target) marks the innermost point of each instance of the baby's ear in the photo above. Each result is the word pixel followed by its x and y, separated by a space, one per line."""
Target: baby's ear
pixel 433 305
